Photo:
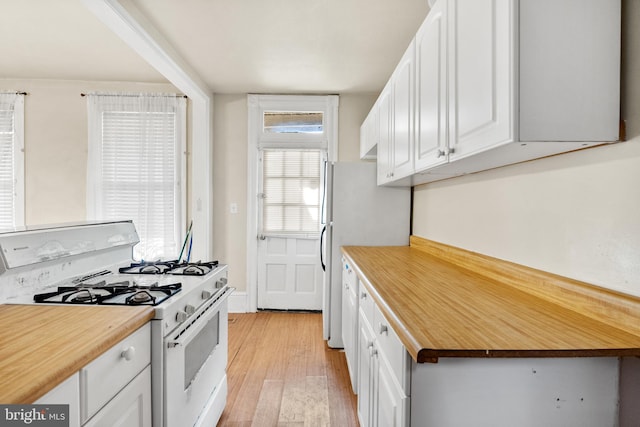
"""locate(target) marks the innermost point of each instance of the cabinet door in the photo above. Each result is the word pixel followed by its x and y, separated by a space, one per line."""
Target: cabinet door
pixel 403 109
pixel 129 408
pixel 390 403
pixel 365 383
pixel 431 89
pixel 349 337
pixel 66 393
pixel 369 135
pixel 481 75
pixel 384 134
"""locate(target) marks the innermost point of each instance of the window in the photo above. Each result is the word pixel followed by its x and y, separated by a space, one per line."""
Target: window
pixel 293 122
pixel 11 160
pixel 136 167
pixel 291 185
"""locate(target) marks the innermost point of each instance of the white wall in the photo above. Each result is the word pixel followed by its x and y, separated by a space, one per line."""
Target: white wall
pixel 56 144
pixel 576 214
pixel 230 139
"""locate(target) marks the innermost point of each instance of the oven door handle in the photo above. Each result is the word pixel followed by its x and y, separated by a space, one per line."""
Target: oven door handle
pixel 185 334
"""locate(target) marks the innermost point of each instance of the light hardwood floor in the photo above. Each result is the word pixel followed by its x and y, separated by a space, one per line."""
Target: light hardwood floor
pixel 281 373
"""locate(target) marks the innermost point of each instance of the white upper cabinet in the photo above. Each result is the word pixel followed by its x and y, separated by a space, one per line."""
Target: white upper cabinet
pixel 481 62
pixel 403 110
pixel 369 136
pixel 431 89
pixel 497 82
pixel 521 82
pixel 385 116
pixel 396 121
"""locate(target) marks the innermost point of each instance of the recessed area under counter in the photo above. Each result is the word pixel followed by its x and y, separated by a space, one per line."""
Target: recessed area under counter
pixel 509 345
pixel 41 346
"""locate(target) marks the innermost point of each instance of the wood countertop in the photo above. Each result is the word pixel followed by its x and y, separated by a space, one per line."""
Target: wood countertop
pixel 446 302
pixel 42 345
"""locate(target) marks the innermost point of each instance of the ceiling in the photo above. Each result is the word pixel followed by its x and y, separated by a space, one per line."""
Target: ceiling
pixel 235 46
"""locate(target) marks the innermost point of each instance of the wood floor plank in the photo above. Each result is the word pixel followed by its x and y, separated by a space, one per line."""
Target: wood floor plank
pixel 271 348
pixel 316 412
pixel 268 407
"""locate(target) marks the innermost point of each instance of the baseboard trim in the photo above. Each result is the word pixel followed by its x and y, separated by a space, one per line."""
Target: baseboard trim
pixel 238 302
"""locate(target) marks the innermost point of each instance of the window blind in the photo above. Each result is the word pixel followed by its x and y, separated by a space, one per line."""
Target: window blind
pixel 11 111
pixel 291 187
pixel 138 174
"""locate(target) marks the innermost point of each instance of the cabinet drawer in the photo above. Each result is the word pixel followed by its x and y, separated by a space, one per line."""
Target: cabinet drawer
pixel 349 277
pixel 103 378
pixel 366 304
pixel 391 348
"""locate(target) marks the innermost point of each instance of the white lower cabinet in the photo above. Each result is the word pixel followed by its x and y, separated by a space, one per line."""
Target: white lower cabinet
pixel 113 390
pixel 131 407
pixel 350 321
pixel 67 393
pixel 383 371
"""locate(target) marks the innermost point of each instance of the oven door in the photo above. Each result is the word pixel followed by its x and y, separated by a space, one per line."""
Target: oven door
pixel 195 367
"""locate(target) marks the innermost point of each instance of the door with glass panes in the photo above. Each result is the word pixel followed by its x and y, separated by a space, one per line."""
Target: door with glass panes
pixel 290 191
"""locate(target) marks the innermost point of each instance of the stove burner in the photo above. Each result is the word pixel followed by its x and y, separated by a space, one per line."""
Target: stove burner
pixel 171 267
pixel 193 268
pixel 81 296
pixel 140 297
pixel 154 269
pixel 117 293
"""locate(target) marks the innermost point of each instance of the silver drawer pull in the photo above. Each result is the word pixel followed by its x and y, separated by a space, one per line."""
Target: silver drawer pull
pixel 128 353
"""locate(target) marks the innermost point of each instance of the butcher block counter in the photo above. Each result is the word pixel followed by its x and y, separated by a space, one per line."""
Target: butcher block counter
pixel 447 338
pixel 42 345
pixel 443 301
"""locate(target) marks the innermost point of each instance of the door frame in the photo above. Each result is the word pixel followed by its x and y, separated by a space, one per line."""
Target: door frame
pixel 257 105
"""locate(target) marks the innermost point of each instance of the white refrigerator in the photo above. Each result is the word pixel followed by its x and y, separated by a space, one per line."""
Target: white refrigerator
pixel 356 212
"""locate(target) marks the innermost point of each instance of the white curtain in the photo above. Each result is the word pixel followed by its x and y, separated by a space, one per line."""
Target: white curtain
pixel 11 160
pixel 136 167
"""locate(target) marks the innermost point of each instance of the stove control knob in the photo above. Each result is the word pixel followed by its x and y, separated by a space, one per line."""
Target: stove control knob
pixel 181 316
pixel 189 309
pixel 223 280
pixel 206 294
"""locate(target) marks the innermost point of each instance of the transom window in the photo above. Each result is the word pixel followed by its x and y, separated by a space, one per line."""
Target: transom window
pixel 293 122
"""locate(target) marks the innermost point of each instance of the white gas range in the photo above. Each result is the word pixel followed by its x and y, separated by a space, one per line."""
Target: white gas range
pixel 91 263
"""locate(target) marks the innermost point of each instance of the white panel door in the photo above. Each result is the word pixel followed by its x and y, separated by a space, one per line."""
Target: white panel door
pixel 289 270
pixel 289 277
pixel 481 75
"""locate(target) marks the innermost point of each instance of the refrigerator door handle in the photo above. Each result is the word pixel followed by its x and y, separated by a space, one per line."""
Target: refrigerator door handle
pixel 324 230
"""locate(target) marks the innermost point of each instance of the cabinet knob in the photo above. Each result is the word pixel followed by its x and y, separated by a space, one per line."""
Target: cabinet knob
pixel 441 153
pixel 128 353
pixel 382 329
pixel 363 295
